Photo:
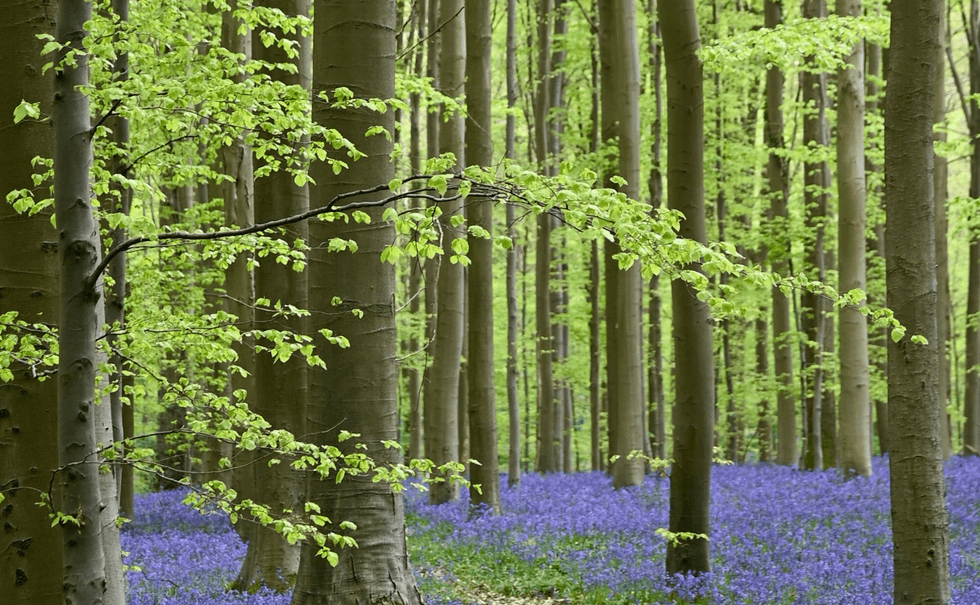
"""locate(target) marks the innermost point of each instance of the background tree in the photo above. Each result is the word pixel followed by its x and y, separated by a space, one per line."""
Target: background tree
pixel 855 403
pixel 441 410
pixel 620 73
pixel 485 487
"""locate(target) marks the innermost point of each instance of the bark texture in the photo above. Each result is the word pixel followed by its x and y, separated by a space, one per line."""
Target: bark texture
pixel 479 152
pixel 816 180
pixel 694 387
pixel 357 391
pixel 30 551
pixel 620 73
pixel 442 436
pixel 920 528
pixel 779 254
pixel 280 387
pixel 855 400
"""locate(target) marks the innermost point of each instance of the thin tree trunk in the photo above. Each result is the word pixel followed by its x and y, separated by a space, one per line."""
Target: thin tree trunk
pixel 513 404
pixel 693 350
pixel 656 419
pixel 479 152
pixel 971 401
pixel 779 254
pixel 920 527
pixel 442 414
pixel 816 179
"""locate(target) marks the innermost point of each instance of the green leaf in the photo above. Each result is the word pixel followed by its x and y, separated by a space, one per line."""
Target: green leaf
pixel 26 110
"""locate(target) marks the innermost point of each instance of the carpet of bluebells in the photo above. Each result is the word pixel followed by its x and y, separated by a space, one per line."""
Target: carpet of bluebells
pixel 778 536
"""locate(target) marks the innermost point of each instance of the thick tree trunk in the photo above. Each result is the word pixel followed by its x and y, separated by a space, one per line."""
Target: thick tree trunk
pixel 358 389
pixel 280 387
pixel 30 550
pixel 693 350
pixel 855 402
pixel 920 528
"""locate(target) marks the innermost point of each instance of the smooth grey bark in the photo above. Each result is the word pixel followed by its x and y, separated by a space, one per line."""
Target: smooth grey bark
pixel 779 254
pixel 855 402
pixel 920 527
pixel 80 322
pixel 280 387
pixel 479 152
pixel 816 181
pixel 513 404
pixel 878 340
pixel 656 407
pixel 441 408
pixel 620 72
pixel 358 389
pixel 693 349
pixel 30 550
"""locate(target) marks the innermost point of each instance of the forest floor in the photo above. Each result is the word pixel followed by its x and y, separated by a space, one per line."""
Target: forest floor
pixel 777 536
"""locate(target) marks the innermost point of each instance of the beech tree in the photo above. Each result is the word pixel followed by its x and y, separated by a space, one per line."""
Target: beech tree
pixel 30 551
pixel 920 528
pixel 620 73
pixel 356 391
pixel 693 415
pixel 855 402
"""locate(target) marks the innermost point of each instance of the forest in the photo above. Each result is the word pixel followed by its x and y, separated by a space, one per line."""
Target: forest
pixel 377 302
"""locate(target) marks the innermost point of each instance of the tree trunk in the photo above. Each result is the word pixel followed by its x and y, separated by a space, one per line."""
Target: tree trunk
pixel 442 413
pixel 513 404
pixel 358 389
pixel 479 152
pixel 855 402
pixel 816 180
pixel 690 493
pixel 80 321
pixel 940 178
pixel 30 550
pixel 971 401
pixel 779 255
pixel 280 387
pixel 920 528
pixel 656 413
pixel 620 73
